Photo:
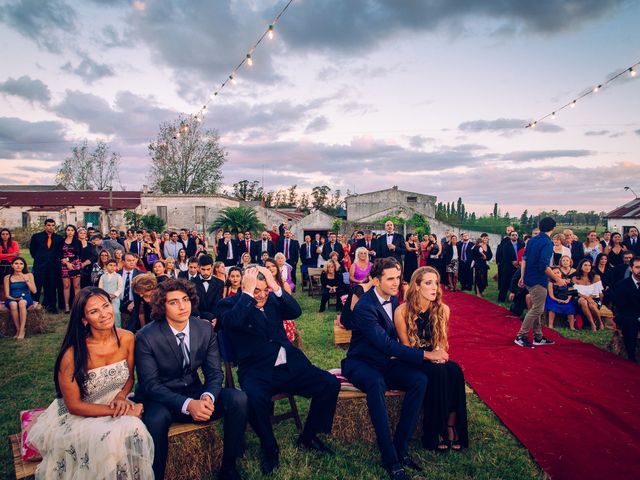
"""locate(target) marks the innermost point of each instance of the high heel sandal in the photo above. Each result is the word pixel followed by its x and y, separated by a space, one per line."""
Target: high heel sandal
pixel 454 444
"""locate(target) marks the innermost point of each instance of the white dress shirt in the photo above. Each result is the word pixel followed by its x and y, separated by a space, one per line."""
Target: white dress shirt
pixel 387 308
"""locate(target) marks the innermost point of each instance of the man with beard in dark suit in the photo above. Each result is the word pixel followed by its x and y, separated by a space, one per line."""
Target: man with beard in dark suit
pixel 632 242
pixel 308 257
pixel 507 260
pixel 391 244
pixel 192 271
pixel 265 245
pixel 332 246
pixel 249 246
pixel 627 306
pixel 464 269
pixel 45 248
pixel 208 288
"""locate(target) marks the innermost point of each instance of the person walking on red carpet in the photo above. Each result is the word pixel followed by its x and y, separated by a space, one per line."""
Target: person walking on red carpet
pixel 535 276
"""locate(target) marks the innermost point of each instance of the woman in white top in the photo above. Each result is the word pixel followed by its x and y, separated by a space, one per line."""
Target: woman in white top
pixel 592 246
pixel 589 288
pixel 559 250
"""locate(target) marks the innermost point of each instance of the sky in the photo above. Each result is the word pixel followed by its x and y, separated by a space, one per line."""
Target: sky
pixel 359 95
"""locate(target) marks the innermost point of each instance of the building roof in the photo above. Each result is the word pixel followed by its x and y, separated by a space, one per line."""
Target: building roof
pixel 30 188
pixel 56 199
pixel 392 189
pixel 628 210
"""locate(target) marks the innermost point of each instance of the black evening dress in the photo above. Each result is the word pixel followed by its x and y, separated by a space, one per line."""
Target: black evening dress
pixel 410 262
pixel 445 394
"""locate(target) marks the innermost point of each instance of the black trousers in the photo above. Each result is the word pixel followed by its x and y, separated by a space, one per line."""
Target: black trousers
pixel 311 382
pixel 465 275
pixel 326 295
pixel 505 274
pixel 396 376
pixel 629 327
pixel 47 279
pixel 230 404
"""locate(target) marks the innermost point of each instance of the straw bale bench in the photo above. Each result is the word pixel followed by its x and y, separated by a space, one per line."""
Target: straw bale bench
pixel 36 321
pixel 200 442
pixel 352 422
pixel 341 336
pixel 616 345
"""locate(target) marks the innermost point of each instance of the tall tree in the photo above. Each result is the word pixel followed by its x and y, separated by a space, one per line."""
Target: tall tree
pixel 495 211
pixel 237 219
pixel 186 158
pixel 319 195
pixel 292 196
pixel 86 170
pixel 247 191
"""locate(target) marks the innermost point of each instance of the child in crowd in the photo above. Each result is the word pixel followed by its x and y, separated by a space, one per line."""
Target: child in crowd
pixel 111 283
pixel 560 300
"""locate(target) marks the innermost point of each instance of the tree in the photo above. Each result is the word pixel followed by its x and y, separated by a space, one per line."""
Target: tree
pixel 495 213
pixel 237 219
pixel 85 170
pixel 186 158
pixel 304 202
pixel 292 195
pixel 319 195
pixel 247 191
pixel 148 221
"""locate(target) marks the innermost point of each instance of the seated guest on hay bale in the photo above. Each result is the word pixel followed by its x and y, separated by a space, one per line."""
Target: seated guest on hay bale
pixel 77 435
pixel 19 285
pixel 169 353
pixel 422 323
pixel 268 363
pixel 627 302
pixel 376 361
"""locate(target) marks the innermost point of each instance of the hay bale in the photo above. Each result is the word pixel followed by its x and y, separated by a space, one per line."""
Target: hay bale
pixel 616 345
pixel 352 423
pixel 341 336
pixel 195 450
pixel 37 321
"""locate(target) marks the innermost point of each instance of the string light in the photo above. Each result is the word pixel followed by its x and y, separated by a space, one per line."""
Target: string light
pixel 630 70
pixel 248 60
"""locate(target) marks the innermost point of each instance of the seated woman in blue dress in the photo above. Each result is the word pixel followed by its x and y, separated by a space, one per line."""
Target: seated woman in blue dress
pixel 19 285
pixel 560 300
pixel 91 430
pixel 422 322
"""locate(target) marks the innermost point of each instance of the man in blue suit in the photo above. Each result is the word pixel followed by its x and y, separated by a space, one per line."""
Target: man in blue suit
pixel 376 361
pixel 268 363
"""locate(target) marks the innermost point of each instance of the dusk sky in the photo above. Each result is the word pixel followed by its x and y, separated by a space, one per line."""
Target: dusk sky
pixel 431 96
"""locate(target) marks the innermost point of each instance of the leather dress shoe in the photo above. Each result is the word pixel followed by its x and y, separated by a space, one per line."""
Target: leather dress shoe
pixel 269 464
pixel 408 462
pixel 398 474
pixel 314 444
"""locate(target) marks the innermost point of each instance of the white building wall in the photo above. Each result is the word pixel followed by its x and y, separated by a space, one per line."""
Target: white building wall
pixel 181 209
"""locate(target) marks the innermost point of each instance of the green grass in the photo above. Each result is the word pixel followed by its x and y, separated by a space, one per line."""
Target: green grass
pixel 494 453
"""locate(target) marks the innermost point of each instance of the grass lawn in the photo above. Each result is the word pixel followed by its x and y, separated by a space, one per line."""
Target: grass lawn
pixel 26 382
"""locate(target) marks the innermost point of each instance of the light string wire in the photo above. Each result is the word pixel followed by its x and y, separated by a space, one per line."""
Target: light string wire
pixel 630 70
pixel 248 59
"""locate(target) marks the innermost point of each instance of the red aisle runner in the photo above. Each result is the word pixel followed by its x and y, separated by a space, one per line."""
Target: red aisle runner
pixel 575 407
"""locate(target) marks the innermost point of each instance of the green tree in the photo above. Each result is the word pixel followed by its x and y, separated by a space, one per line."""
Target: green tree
pixel 186 158
pixel 319 195
pixel 86 170
pixel 495 213
pixel 237 219
pixel 138 221
pixel 247 191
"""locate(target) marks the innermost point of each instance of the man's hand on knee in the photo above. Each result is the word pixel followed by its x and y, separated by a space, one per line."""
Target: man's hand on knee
pixel 200 410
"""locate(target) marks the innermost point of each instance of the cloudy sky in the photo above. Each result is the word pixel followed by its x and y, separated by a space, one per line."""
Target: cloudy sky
pixel 355 94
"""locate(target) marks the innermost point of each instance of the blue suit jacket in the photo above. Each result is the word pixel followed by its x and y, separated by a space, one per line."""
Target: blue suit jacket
pixel 374 339
pixel 256 337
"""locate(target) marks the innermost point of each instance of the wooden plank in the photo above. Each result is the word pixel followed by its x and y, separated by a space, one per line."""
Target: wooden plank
pixel 341 335
pixel 22 469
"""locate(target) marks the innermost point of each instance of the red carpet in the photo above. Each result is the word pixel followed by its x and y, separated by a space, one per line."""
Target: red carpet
pixel 575 407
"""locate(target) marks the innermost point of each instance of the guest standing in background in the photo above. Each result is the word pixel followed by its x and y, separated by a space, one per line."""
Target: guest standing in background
pixel 45 248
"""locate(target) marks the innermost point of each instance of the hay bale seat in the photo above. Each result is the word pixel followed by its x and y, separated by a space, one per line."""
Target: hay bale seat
pixel 616 345
pixel 352 422
pixel 341 336
pixel 201 441
pixel 37 321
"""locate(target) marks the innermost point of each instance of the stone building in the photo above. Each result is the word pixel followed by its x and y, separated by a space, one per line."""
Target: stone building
pixel 623 218
pixel 367 207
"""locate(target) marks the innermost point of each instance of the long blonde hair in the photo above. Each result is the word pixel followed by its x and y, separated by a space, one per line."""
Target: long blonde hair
pixel 436 311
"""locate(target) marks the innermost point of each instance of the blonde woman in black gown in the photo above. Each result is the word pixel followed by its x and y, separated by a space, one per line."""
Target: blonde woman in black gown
pixel 422 322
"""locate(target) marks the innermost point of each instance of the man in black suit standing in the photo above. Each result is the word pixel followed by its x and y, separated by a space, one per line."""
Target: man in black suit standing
pixel 632 242
pixel 128 296
pixel 45 248
pixel 576 246
pixel 208 288
pixel 249 246
pixel 332 246
pixel 188 242
pixel 269 363
pixel 136 245
pixel 622 271
pixel 464 269
pixel 627 306
pixel 377 361
pixel 168 354
pixel 507 260
pixel 265 245
pixel 228 250
pixel 391 244
pixel 308 256
pixel 192 271
pixel 291 250
pixel 369 243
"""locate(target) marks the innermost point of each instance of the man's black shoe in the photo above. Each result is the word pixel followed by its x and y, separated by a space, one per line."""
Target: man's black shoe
pixel 229 474
pixel 269 464
pixel 314 445
pixel 398 474
pixel 408 462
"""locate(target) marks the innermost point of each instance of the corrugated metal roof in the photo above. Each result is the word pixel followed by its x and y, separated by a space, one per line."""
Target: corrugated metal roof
pixel 628 210
pixel 56 199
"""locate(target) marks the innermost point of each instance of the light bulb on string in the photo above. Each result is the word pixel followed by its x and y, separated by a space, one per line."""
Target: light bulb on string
pixel 573 104
pixel 553 115
pixel 597 88
pixel 632 72
pixel 249 60
pixel 233 79
pixel 270 32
